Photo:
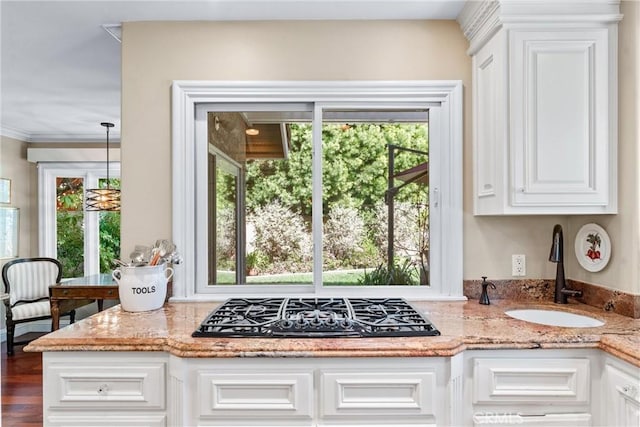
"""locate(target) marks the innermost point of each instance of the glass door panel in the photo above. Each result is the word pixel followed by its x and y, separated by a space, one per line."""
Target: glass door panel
pixel 109 232
pixel 375 197
pixel 70 223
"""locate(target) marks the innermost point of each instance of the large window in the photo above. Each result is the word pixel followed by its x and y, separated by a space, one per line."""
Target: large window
pixel 84 242
pixel 344 196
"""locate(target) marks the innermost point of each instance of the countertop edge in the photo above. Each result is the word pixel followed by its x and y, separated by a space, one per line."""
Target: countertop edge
pixel 456 347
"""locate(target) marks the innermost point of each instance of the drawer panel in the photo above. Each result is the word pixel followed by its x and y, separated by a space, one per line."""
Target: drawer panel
pixel 370 393
pixel 550 420
pixel 533 381
pixel 98 386
pixel 149 420
pixel 255 394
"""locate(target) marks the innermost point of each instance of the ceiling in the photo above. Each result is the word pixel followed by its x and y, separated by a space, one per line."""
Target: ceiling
pixel 60 69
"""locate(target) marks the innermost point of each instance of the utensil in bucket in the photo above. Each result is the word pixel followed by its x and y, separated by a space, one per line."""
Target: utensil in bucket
pixel 142 288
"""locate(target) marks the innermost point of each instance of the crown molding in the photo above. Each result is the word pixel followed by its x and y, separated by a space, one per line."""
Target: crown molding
pixel 114 30
pixel 14 134
pixel 70 137
pixel 36 155
pixel 480 20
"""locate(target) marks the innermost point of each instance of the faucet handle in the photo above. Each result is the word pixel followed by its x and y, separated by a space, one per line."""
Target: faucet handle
pixel 484 296
pixel 485 283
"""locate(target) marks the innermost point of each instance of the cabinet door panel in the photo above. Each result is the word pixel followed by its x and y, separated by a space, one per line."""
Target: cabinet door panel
pixel 560 110
pixel 103 385
pixel 623 397
pixel 345 394
pixel 551 420
pixel 527 381
pixel 255 394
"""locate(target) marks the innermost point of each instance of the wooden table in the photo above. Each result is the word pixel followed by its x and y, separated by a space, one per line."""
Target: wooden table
pixel 79 291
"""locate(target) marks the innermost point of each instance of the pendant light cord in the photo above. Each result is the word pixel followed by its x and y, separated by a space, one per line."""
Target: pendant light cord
pixel 107 157
pixel 107 125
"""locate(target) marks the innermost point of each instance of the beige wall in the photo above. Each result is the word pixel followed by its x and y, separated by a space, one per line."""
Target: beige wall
pixel 156 53
pixel 623 271
pixel 24 195
pixel 24 191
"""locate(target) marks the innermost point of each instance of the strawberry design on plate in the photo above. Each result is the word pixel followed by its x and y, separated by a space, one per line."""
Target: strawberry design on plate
pixel 593 247
pixel 594 240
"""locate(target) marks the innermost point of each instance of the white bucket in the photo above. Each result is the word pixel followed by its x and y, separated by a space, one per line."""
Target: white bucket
pixel 142 288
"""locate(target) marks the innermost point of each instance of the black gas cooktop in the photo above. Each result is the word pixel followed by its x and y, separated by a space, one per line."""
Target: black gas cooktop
pixel 315 318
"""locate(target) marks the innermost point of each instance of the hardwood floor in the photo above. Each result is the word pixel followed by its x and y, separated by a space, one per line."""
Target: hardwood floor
pixel 21 388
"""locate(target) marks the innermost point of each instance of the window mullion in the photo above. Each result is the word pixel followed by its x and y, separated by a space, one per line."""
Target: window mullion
pixel 91 232
pixel 316 207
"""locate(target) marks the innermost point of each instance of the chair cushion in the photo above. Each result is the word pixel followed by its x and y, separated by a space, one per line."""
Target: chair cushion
pixel 31 310
pixel 30 281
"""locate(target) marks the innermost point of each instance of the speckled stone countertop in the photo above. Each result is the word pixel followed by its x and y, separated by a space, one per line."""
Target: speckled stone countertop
pixel 464 326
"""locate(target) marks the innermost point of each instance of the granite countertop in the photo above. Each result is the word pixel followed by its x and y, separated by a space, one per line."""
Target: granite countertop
pixel 463 325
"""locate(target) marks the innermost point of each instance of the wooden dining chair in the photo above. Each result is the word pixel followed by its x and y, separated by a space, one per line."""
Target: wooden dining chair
pixel 27 282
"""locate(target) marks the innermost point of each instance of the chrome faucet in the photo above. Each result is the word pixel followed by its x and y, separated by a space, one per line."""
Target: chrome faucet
pixel 557 256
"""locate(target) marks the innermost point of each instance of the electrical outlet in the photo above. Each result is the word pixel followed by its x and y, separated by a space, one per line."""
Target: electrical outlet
pixel 518 265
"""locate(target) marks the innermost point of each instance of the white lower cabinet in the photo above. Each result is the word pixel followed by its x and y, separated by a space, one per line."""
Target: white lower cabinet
pixel 337 392
pixel 569 387
pixel 531 387
pixel 104 389
pixel 622 393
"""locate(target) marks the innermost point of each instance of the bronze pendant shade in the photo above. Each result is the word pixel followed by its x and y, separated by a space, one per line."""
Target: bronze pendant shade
pixel 103 199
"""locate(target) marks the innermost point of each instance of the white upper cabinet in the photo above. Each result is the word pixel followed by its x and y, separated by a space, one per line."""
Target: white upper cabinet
pixel 544 106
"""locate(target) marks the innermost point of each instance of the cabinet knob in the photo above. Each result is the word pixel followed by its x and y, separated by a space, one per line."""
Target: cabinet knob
pixel 630 391
pixel 103 389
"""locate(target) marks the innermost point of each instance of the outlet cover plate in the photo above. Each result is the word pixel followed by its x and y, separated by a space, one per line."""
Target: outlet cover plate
pixel 518 265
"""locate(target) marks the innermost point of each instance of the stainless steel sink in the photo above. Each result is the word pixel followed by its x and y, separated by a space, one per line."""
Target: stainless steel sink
pixel 555 318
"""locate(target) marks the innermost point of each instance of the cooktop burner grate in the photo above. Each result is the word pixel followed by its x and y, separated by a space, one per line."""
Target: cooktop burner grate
pixel 315 318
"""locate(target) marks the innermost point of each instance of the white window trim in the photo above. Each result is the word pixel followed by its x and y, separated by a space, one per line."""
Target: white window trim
pixel 445 101
pixel 91 172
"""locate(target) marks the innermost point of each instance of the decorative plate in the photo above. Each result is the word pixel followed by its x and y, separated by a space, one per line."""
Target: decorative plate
pixel 593 247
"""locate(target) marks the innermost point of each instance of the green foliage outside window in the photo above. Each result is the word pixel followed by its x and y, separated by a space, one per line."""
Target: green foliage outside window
pixel 70 228
pixel 109 240
pixel 354 182
pixel 355 159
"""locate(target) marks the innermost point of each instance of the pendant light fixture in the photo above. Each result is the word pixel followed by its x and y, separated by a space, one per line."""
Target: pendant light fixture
pixel 103 199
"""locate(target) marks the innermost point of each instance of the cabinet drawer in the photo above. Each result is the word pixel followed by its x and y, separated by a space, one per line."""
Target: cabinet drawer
pixel 107 421
pixel 376 393
pixel 101 386
pixel 551 420
pixel 535 381
pixel 245 395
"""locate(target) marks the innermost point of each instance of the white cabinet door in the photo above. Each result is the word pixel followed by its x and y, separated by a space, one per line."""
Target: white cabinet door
pixel 559 117
pixel 544 107
pixel 623 396
pixel 524 381
pixel 489 127
pixel 532 387
pixel 383 394
pixel 104 389
pixel 254 394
